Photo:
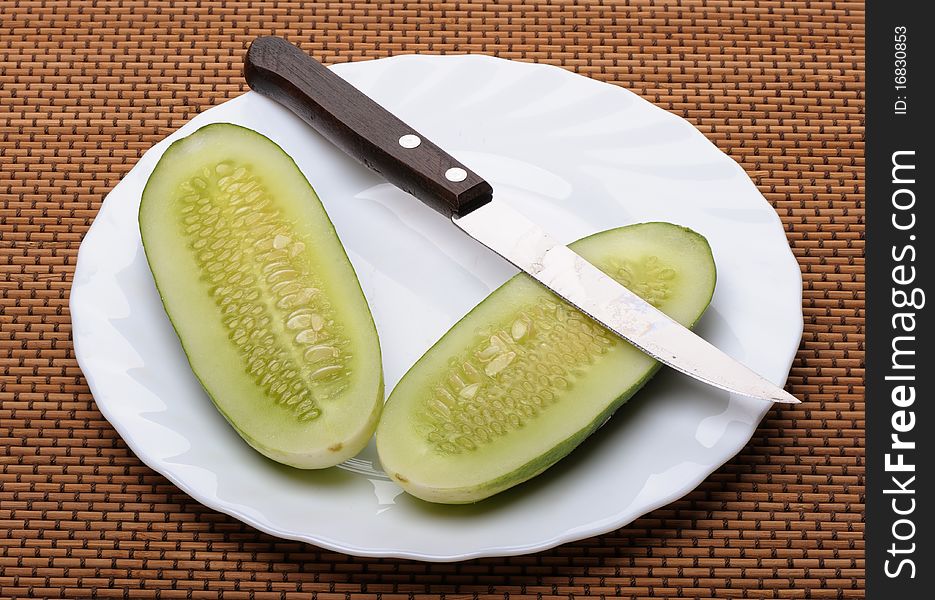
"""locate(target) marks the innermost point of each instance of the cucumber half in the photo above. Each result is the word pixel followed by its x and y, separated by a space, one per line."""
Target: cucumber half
pixel 524 377
pixel 262 296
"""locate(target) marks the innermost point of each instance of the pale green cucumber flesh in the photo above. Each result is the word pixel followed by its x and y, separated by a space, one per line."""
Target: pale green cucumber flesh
pixel 524 378
pixel 262 296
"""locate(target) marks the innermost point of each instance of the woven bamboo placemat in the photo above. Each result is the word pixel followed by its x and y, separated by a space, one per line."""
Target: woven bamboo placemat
pixel 86 87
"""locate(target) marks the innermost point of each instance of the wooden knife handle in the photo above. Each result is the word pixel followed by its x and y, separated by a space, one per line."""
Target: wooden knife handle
pixel 362 128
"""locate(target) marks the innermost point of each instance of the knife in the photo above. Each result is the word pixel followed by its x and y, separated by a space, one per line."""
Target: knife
pixel 375 137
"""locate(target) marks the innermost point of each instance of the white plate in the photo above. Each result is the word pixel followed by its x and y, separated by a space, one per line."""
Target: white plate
pixel 579 156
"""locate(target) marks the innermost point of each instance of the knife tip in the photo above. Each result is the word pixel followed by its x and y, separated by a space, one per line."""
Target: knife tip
pixel 785 398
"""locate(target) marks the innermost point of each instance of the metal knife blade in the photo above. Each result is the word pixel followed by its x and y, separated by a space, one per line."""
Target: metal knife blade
pixel 554 265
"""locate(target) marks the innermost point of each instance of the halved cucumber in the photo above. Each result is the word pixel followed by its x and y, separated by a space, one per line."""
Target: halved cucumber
pixel 263 298
pixel 524 377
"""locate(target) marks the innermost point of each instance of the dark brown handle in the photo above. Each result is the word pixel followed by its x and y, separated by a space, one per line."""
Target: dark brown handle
pixel 362 128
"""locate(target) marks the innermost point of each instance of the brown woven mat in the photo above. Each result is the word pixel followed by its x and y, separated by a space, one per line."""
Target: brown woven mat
pixel 86 87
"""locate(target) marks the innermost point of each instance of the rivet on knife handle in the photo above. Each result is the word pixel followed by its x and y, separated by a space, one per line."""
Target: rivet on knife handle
pixel 362 128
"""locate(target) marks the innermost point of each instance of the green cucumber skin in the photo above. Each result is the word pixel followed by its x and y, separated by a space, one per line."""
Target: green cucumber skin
pixel 315 456
pixel 466 494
